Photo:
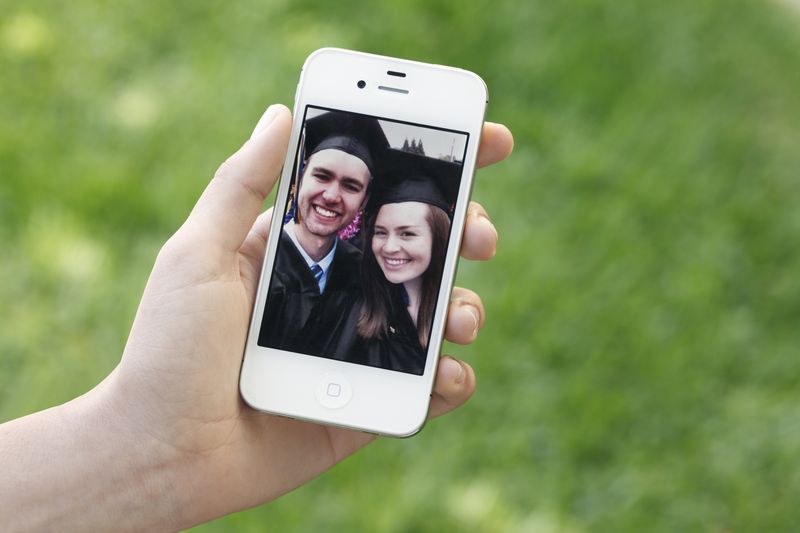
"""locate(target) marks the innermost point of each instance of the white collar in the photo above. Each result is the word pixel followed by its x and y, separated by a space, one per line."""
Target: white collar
pixel 324 263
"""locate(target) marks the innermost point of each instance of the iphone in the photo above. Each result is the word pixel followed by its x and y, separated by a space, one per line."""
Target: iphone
pixel 352 302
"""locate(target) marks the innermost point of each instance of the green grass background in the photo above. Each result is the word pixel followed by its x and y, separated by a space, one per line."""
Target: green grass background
pixel 640 362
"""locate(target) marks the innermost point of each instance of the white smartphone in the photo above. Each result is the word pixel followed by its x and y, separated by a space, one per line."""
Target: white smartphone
pixel 366 231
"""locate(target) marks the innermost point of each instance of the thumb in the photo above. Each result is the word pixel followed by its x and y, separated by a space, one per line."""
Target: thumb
pixel 233 199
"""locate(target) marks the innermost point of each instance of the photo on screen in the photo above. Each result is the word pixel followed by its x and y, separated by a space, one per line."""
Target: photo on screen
pixel 366 224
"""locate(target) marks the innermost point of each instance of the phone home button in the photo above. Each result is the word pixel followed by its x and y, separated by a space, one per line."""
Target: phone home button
pixel 334 391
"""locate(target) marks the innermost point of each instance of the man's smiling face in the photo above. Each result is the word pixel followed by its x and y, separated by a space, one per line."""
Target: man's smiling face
pixel 332 191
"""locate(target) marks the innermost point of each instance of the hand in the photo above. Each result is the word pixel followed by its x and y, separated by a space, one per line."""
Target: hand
pixel 175 392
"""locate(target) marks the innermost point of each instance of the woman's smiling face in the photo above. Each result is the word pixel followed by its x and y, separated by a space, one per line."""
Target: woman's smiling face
pixel 402 240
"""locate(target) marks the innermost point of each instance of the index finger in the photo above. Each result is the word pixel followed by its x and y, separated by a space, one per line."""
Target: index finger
pixel 496 144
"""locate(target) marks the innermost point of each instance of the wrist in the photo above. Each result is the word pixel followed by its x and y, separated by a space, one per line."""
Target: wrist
pixel 76 467
pixel 171 475
pixel 133 481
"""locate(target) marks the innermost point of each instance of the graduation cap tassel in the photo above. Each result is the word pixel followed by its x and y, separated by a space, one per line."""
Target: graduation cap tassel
pixel 292 213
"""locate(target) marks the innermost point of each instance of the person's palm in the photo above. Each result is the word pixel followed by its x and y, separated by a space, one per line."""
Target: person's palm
pixel 178 379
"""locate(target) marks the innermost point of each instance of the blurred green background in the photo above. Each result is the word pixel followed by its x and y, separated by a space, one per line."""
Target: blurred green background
pixel 640 363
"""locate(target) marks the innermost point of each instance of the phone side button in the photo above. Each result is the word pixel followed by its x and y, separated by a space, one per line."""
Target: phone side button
pixel 334 391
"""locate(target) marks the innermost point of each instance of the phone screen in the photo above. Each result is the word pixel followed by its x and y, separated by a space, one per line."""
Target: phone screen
pixel 366 225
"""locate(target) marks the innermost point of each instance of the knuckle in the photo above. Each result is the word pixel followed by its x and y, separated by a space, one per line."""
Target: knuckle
pixel 224 169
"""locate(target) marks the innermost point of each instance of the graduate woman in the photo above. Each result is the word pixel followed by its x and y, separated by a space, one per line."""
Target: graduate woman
pixel 407 229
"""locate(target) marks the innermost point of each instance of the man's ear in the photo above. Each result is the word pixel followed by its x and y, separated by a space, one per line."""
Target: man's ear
pixel 302 168
pixel 370 185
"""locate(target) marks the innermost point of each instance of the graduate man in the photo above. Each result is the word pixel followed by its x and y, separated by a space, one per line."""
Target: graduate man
pixel 313 267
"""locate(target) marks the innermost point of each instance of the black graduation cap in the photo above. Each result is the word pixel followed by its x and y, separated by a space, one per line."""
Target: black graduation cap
pixel 354 134
pixel 411 177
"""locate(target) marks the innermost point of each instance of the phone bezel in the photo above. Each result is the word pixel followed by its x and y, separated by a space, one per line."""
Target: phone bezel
pixel 385 402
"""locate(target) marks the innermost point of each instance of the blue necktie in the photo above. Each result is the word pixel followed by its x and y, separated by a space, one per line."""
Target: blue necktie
pixel 317 271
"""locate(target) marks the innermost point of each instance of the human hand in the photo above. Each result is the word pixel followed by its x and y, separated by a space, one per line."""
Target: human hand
pixel 174 395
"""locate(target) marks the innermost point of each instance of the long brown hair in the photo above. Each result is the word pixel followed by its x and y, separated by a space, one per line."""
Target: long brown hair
pixel 380 295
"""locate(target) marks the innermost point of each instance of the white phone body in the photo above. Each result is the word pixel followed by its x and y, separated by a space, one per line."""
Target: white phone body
pixel 368 398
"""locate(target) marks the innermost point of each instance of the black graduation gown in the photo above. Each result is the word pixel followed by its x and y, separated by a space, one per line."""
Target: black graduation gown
pixel 293 299
pixel 400 350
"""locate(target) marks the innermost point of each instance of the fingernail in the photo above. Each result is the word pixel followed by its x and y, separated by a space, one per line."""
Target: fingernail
pixel 480 212
pixel 453 370
pixel 265 120
pixel 496 238
pixel 475 319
